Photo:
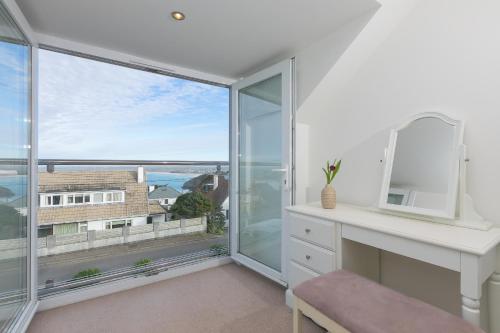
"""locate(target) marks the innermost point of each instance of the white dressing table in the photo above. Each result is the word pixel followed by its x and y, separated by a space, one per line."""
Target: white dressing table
pixel 315 238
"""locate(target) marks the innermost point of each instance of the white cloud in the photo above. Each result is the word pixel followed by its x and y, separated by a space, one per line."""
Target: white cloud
pixel 90 109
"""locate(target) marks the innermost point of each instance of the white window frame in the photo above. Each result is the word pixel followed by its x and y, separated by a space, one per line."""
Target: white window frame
pixel 45 198
pixel 108 225
pixel 83 225
pixel 65 198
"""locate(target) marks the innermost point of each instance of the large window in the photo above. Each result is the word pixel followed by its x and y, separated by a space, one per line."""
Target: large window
pixel 15 122
pixel 115 113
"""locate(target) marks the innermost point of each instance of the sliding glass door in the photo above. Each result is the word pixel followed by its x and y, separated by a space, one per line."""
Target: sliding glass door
pixel 15 156
pixel 261 156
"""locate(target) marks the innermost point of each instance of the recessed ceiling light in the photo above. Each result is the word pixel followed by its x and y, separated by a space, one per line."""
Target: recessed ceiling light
pixel 178 16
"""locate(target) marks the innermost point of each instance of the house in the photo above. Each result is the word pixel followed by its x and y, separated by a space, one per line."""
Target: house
pixel 164 195
pixel 214 186
pixel 78 201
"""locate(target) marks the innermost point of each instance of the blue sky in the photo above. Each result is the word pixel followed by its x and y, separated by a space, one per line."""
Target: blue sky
pixel 13 101
pixel 90 109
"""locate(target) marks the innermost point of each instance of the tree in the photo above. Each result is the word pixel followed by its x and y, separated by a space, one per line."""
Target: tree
pixel 5 193
pixel 190 205
pixel 12 224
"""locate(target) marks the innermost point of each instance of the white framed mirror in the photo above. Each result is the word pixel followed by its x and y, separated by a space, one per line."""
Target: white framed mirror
pixel 422 166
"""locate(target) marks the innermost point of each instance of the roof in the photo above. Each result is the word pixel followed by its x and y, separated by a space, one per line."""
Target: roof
pixel 164 192
pixel 136 196
pixel 156 208
pixel 217 196
pixel 196 182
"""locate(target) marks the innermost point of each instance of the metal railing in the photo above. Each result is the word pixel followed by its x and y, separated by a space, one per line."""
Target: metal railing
pixel 156 267
pixel 151 269
pixel 48 161
pixel 217 167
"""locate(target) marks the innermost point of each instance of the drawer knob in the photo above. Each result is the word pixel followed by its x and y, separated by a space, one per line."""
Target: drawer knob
pixel 308 230
pixel 308 257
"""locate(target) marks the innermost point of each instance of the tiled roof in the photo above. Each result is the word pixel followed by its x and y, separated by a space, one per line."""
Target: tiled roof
pixel 136 196
pixel 164 192
pixel 217 196
pixel 156 208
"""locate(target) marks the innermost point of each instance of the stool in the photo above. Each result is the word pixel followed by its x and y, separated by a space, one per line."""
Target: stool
pixel 342 302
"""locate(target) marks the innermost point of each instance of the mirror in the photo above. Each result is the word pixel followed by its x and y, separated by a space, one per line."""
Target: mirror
pixel 422 166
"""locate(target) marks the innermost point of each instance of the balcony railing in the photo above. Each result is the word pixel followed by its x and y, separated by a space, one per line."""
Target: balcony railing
pixel 177 240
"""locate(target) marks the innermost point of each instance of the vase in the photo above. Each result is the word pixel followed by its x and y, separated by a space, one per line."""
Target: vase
pixel 328 197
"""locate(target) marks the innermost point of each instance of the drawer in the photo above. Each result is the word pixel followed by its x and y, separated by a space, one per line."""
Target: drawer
pixel 298 274
pixel 313 230
pixel 312 256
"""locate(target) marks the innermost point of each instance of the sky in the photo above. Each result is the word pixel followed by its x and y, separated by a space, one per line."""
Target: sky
pixel 94 110
pixel 13 100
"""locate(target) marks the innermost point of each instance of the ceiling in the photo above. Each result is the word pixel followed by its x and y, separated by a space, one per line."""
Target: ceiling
pixel 229 38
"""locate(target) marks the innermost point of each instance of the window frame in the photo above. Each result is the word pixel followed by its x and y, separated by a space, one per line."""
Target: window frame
pixel 112 57
pixel 69 199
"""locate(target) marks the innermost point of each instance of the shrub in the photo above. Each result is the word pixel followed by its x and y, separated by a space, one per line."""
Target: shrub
pixel 218 249
pixel 215 223
pixel 143 262
pixel 190 205
pixel 86 273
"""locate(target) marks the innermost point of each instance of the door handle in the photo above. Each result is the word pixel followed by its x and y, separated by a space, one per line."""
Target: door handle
pixel 284 170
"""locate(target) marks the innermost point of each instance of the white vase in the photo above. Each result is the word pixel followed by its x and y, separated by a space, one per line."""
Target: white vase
pixel 328 197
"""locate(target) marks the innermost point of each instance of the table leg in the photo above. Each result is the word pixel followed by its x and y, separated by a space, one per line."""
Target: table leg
pixel 494 301
pixel 471 310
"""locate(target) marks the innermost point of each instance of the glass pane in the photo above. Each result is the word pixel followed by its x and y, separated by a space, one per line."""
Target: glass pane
pixel 65 228
pixel 97 197
pixel 78 199
pixel 14 154
pixel 192 116
pixel 260 115
pixel 117 196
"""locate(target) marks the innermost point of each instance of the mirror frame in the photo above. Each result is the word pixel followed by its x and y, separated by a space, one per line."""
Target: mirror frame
pixel 453 179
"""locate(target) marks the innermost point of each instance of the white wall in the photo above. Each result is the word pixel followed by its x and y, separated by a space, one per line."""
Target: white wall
pixel 412 56
pixel 442 55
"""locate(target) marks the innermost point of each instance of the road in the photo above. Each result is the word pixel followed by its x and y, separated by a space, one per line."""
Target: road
pixel 64 266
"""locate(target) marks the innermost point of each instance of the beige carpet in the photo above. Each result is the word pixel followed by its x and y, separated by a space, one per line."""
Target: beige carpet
pixel 225 299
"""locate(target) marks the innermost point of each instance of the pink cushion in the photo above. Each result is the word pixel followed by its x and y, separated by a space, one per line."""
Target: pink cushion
pixel 363 306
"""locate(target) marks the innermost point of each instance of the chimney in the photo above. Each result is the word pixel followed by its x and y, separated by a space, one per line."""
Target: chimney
pixel 140 174
pixel 216 181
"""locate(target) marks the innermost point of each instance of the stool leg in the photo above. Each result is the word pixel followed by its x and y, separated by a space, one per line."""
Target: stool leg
pixel 297 318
